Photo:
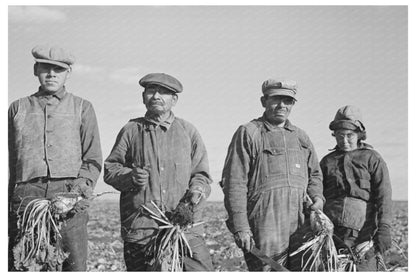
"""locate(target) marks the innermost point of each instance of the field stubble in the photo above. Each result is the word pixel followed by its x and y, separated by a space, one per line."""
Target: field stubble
pixel 106 246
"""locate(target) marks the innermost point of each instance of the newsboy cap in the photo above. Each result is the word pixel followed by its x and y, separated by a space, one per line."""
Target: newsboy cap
pixel 348 117
pixel 53 55
pixel 272 87
pixel 163 80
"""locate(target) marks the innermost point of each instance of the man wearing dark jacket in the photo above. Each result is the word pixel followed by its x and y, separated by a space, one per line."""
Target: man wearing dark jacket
pixel 159 158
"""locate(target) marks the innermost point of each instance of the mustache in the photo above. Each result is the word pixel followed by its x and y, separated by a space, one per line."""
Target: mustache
pixel 152 102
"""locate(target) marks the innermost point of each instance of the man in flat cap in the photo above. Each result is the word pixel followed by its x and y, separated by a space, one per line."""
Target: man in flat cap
pixel 159 158
pixel 271 166
pixel 54 148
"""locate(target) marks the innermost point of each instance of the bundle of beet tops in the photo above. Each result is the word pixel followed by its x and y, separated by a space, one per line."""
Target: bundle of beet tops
pixel 38 243
pixel 169 246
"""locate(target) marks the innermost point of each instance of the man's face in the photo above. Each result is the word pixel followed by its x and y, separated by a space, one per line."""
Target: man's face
pixel 347 140
pixel 277 107
pixel 158 99
pixel 51 77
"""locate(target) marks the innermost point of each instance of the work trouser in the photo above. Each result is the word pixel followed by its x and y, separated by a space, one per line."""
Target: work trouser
pixel 136 259
pixel 73 231
pixel 275 217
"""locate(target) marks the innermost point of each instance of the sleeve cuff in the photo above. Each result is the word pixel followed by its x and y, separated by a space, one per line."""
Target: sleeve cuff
pixel 238 223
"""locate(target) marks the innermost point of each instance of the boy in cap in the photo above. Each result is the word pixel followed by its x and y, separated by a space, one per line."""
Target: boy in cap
pixel 357 189
pixel 54 147
pixel 270 166
pixel 159 158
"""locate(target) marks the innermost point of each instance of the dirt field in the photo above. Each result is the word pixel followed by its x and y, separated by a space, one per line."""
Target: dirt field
pixel 106 246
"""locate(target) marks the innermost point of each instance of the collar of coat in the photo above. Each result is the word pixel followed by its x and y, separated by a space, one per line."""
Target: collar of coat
pixel 165 124
pixel 271 127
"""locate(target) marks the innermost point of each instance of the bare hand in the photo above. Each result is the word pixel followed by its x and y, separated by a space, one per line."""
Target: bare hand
pixel 140 177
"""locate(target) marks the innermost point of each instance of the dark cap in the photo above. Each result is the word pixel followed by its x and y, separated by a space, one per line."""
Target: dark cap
pixel 348 117
pixel 53 55
pixel 163 80
pixel 283 87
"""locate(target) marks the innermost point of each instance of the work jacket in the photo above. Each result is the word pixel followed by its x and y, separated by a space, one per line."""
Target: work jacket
pixel 177 160
pixel 357 189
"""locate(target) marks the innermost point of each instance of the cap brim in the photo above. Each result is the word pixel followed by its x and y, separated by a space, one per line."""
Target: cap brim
pixel 61 64
pixel 159 84
pixel 343 124
pixel 281 92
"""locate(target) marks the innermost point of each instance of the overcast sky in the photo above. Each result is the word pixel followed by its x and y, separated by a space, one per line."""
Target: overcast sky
pixel 355 55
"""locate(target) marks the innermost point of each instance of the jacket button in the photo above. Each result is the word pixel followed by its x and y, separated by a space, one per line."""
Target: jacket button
pixel 164 191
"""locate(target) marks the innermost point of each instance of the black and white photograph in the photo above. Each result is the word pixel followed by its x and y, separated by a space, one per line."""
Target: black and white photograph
pixel 207 137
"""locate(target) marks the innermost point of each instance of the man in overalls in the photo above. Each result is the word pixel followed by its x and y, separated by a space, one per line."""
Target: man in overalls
pixel 270 167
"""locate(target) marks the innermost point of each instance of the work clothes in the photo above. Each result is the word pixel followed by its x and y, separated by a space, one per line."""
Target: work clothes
pixel 174 154
pixel 53 142
pixel 358 193
pixel 53 135
pixel 267 173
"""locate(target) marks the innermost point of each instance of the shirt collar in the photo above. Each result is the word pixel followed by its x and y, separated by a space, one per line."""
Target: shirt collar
pixel 165 124
pixel 270 127
pixel 360 146
pixel 59 94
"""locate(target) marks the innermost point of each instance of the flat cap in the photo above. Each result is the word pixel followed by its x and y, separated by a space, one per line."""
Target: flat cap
pixel 273 87
pixel 348 117
pixel 163 80
pixel 53 55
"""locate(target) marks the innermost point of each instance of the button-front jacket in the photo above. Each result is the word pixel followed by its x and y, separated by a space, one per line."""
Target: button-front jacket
pixel 177 158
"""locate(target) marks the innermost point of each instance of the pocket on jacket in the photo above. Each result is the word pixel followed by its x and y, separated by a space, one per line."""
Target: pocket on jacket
pixel 182 173
pixel 275 159
pixel 347 212
pixel 296 162
pixel 362 189
pixel 364 184
pixel 354 213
